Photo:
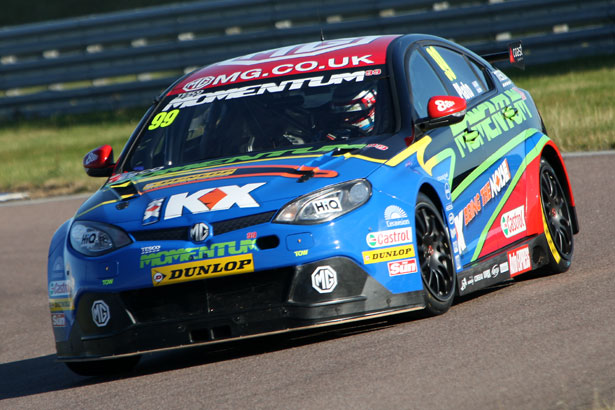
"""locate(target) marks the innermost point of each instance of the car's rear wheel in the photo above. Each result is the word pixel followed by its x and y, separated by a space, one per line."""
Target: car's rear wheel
pixel 104 367
pixel 557 219
pixel 435 257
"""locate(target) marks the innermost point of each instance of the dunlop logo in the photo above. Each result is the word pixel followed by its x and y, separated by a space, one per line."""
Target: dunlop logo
pixel 388 254
pixel 211 268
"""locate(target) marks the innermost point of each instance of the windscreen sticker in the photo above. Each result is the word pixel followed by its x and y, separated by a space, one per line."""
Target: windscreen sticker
pixel 441 62
pixel 195 98
pixel 163 119
pixel 332 63
pixel 299 51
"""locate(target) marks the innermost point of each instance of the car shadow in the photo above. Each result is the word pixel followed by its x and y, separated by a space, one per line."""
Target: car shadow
pixel 45 374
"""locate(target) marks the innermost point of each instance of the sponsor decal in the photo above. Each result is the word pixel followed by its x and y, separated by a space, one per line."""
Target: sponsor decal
pixel 504 267
pixel 377 146
pixel 395 216
pixel 100 313
pixel 304 151
pixel 464 284
pixel 477 86
pixel 299 51
pixel 60 305
pixel 504 80
pixel 199 83
pixel 211 268
pixel 324 279
pixel 90 158
pixel 150 249
pixel 388 238
pixel 487 119
pixel 202 176
pixel 519 260
pixel 195 98
pixel 212 199
pixel 402 267
pixel 443 105
pixel 251 235
pixel 495 271
pixel 152 212
pixel 58 320
pixel 191 254
pixel 324 206
pixel 463 90
pixel 492 188
pixel 513 222
pixel 199 232
pixel 388 254
pixel 59 289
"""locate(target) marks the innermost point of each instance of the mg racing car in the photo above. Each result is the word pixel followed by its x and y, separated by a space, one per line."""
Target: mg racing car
pixel 306 186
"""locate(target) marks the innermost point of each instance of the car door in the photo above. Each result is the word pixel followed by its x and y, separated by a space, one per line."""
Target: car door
pixel 455 155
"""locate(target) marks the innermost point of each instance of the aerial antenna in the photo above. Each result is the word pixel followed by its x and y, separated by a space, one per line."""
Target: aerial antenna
pixel 322 32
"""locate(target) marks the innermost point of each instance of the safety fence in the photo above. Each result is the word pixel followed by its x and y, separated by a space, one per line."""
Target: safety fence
pixel 126 59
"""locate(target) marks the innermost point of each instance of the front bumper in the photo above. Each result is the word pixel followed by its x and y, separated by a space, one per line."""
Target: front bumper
pixel 226 308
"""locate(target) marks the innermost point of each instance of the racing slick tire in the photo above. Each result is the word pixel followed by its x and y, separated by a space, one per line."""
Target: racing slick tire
pixel 105 367
pixel 435 257
pixel 557 219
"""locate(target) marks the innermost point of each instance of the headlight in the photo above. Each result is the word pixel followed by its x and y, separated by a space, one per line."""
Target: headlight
pixel 94 238
pixel 326 204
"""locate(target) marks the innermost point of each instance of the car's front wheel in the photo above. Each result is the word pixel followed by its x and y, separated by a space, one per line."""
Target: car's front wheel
pixel 435 257
pixel 104 367
pixel 556 218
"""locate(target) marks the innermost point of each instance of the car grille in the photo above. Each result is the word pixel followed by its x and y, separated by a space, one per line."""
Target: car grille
pixel 182 233
pixel 225 295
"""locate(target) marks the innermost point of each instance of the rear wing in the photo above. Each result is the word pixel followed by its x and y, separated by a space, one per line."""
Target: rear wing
pixel 514 55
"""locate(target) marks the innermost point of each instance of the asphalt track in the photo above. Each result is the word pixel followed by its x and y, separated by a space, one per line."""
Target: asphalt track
pixel 543 342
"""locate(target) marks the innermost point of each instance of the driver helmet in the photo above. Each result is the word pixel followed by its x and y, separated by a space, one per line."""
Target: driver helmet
pixel 356 107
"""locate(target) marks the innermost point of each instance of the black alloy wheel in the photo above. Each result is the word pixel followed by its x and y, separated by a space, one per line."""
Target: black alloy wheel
pixel 435 257
pixel 557 214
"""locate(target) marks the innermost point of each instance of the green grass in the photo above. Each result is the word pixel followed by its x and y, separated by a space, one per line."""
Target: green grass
pixel 43 157
pixel 575 100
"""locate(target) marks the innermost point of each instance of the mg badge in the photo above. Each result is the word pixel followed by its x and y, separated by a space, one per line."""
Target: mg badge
pixel 100 313
pixel 199 232
pixel 324 279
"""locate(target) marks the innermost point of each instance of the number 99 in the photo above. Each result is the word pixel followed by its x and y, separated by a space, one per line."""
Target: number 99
pixel 163 119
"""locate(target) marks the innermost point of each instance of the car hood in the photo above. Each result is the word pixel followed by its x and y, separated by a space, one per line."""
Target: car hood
pixel 164 198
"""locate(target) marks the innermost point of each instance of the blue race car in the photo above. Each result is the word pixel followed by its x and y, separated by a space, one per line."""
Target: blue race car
pixel 306 186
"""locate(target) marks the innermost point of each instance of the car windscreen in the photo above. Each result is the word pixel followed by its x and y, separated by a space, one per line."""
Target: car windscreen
pixel 309 110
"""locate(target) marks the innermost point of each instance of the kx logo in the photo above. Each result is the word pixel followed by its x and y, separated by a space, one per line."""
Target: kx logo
pixel 212 199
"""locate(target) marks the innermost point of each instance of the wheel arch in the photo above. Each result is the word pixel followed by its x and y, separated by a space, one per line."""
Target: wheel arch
pixel 432 194
pixel 553 156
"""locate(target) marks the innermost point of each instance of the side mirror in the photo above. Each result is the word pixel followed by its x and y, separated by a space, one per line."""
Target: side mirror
pixel 443 110
pixel 99 162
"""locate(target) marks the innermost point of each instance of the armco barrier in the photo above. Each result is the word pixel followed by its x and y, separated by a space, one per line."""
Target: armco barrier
pixel 125 59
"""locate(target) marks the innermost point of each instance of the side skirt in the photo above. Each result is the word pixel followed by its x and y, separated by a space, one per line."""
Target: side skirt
pixel 520 257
